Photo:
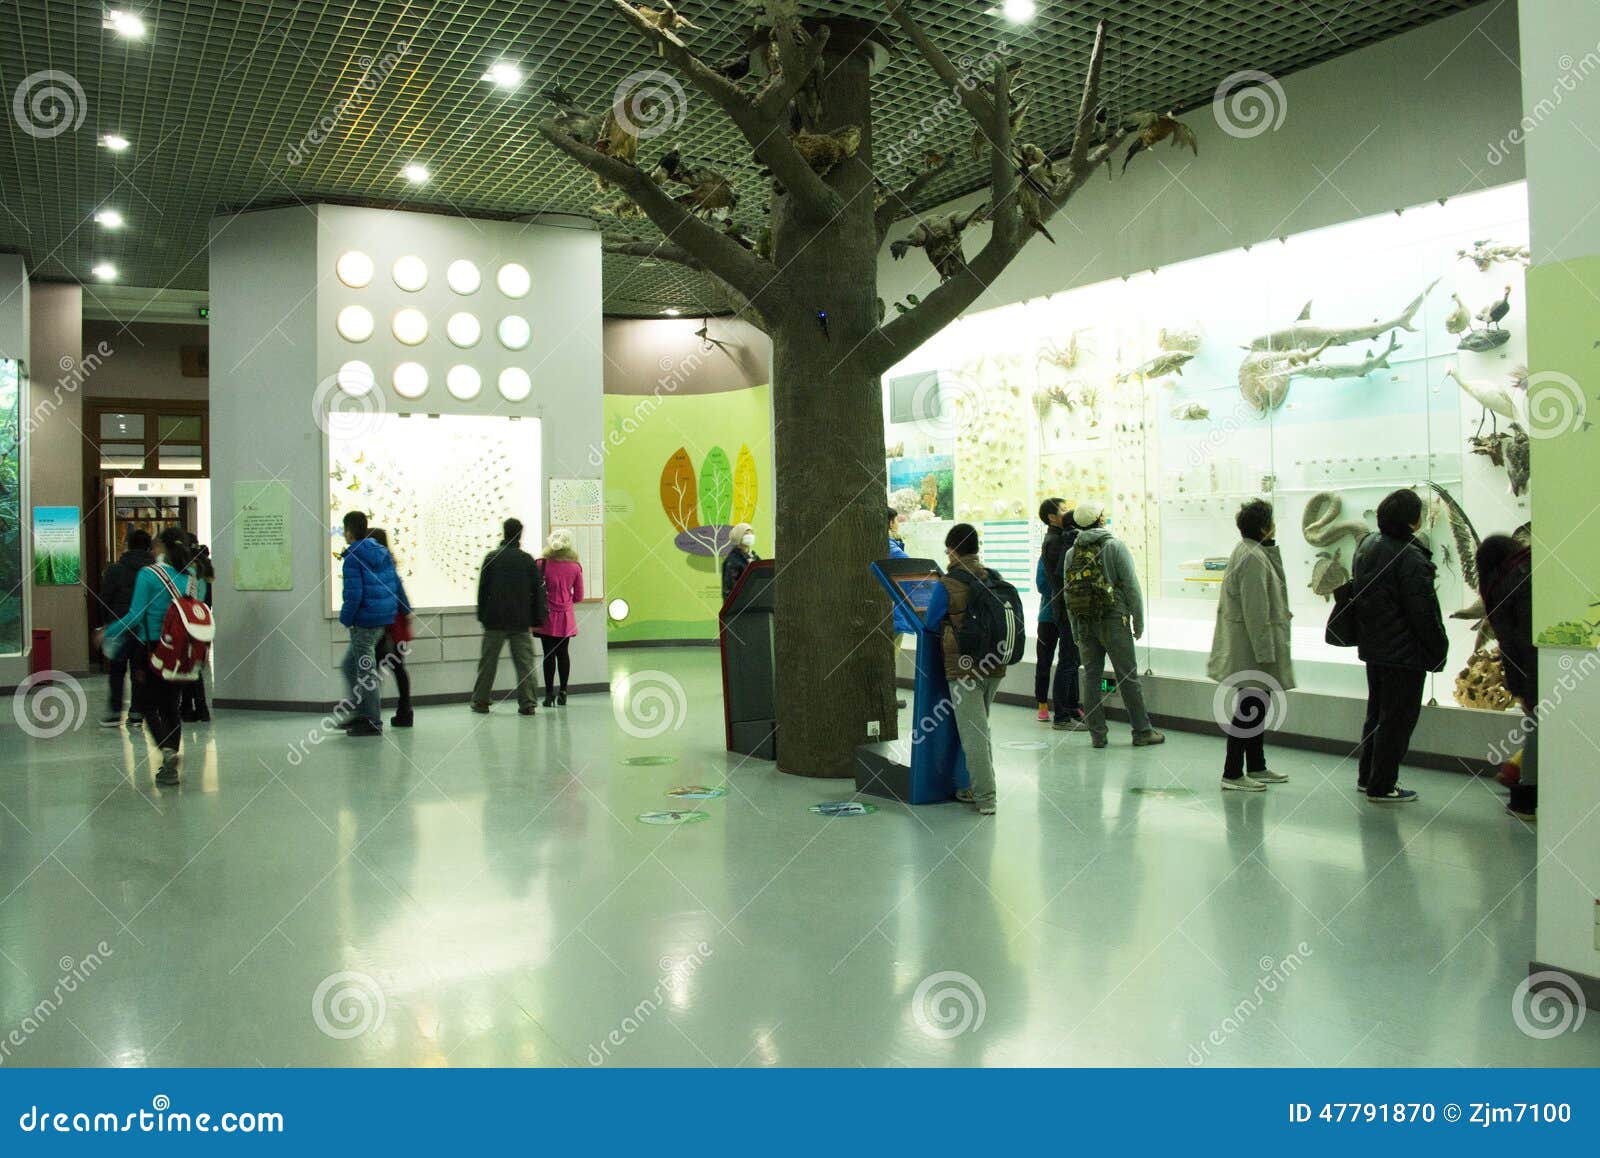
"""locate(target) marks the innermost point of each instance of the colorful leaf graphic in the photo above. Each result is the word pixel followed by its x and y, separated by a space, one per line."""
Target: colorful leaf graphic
pixel 744 487
pixel 678 495
pixel 716 487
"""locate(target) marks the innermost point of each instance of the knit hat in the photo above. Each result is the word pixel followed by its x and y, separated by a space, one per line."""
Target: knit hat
pixel 560 540
pixel 1088 513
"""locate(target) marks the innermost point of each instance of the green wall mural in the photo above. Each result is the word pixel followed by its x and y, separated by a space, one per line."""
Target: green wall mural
pixel 1564 347
pixel 681 473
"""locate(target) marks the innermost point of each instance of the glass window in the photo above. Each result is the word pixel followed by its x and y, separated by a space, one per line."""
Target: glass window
pixel 122 455
pixel 122 427
pixel 179 427
pixel 180 456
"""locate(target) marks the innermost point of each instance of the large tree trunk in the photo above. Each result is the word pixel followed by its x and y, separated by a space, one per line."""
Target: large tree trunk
pixel 835 668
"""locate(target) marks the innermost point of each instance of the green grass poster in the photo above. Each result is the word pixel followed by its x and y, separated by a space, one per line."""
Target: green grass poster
pixel 57 561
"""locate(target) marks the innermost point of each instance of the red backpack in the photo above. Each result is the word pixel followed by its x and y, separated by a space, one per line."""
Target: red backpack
pixel 186 634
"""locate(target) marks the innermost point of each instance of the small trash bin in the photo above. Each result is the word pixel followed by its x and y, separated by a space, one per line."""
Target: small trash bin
pixel 41 658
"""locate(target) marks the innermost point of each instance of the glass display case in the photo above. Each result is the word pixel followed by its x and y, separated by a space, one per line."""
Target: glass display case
pixel 11 477
pixel 1320 371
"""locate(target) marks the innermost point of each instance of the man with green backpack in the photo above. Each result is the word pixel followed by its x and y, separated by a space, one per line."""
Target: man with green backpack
pixel 1101 589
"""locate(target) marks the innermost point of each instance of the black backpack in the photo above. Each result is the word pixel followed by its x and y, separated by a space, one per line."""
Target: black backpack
pixel 993 632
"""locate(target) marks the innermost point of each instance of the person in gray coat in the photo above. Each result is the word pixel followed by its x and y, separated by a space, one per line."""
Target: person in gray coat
pixel 1106 609
pixel 1250 647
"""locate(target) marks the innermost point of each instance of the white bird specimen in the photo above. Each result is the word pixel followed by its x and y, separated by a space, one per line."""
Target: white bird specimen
pixel 1492 396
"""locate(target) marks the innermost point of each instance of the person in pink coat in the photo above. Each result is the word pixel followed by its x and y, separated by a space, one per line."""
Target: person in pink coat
pixel 563 579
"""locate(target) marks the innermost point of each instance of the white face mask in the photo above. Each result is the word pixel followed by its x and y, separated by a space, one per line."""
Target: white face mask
pixel 747 542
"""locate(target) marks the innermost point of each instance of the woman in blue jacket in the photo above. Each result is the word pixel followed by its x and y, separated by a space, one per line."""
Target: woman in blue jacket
pixel 140 629
pixel 904 625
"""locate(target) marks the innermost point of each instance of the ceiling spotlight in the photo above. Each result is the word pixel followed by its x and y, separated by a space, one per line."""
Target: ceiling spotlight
pixel 124 24
pixel 110 218
pixel 115 142
pixel 504 73
pixel 1018 11
pixel 105 271
pixel 415 173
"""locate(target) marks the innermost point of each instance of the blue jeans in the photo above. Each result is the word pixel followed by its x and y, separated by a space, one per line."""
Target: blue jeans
pixel 361 673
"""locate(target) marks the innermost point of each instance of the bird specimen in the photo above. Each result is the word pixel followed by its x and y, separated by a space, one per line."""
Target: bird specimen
pixel 1484 254
pixel 1153 128
pixel 571 118
pixel 1034 190
pixel 1519 460
pixel 912 302
pixel 623 208
pixel 709 191
pixel 707 342
pixel 734 230
pixel 1494 313
pixel 980 135
pixel 824 152
pixel 940 239
pixel 668 168
pixel 666 20
pixel 1495 399
pixel 1459 319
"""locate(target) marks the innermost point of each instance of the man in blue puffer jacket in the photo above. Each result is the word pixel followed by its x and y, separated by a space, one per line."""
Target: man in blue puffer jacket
pixel 904 625
pixel 370 606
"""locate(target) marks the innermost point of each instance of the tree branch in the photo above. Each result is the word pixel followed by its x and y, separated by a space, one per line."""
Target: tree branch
pixel 731 299
pixel 900 199
pixel 965 90
pixel 796 63
pixel 765 132
pixel 720 254
pixel 899 338
pixel 1005 211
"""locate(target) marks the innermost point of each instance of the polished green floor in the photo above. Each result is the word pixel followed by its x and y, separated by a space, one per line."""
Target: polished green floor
pixel 477 891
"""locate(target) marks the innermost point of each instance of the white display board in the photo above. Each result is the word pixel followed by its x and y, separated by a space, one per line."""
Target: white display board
pixel 441 485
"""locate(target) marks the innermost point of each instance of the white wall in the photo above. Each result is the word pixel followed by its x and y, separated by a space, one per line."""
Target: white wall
pixel 274 299
pixel 1398 124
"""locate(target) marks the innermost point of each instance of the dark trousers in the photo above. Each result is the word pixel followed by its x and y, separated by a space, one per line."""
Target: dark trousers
pixel 1247 733
pixel 1062 695
pixel 390 659
pixel 557 662
pixel 1394 703
pixel 192 696
pixel 118 671
pixel 154 698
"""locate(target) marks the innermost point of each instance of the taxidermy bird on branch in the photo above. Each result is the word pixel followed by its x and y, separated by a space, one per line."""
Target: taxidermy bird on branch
pixel 940 239
pixel 571 118
pixel 1153 128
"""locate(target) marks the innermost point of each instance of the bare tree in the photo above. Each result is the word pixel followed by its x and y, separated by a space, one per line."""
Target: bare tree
pixel 811 284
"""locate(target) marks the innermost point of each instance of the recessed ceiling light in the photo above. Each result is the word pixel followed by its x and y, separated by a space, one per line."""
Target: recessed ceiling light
pixel 105 271
pixel 504 73
pixel 415 173
pixel 116 142
pixel 110 218
pixel 1016 11
pixel 124 24
pixel 672 311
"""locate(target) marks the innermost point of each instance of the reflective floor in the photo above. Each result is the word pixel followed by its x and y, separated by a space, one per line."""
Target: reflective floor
pixel 478 891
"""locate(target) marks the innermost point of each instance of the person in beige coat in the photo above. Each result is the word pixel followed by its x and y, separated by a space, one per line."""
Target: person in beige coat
pixel 1250 648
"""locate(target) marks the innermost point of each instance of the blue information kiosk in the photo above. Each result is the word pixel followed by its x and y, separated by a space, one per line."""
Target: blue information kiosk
pixel 926 765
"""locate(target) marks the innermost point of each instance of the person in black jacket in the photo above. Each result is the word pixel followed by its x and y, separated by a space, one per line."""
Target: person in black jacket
pixel 192 697
pixel 1055 632
pixel 1505 581
pixel 511 603
pixel 741 553
pixel 116 597
pixel 1402 639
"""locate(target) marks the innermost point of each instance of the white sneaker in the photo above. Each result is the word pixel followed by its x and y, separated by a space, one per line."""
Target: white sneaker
pixel 1243 784
pixel 1267 776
